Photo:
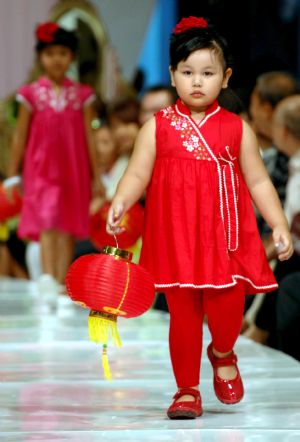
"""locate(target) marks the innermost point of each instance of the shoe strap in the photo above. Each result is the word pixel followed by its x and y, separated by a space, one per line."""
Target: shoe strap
pixel 189 391
pixel 224 362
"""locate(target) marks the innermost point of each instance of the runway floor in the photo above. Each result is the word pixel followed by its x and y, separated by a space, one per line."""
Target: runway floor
pixel 52 386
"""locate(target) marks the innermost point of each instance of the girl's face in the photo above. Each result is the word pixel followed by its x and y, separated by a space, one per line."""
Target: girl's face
pixel 105 146
pixel 125 135
pixel 55 60
pixel 199 79
pixel 261 115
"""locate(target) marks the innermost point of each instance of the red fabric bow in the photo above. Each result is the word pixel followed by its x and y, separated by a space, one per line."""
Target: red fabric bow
pixel 189 22
pixel 46 31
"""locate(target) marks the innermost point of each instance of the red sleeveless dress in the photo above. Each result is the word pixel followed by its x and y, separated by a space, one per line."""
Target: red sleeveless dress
pixel 200 228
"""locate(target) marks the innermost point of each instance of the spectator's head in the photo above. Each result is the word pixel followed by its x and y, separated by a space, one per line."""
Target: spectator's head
pixel 286 125
pixel 270 88
pixel 105 147
pixel 155 99
pixel 123 120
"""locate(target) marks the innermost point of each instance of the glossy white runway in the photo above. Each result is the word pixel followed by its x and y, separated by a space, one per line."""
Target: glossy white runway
pixel 52 386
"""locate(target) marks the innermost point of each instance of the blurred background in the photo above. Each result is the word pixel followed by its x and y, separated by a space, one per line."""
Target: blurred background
pixel 130 38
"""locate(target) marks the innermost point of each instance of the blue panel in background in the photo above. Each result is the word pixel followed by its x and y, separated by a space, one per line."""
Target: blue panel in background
pixel 154 57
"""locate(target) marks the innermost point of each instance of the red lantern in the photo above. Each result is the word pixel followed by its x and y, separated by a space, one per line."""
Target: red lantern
pixel 132 222
pixel 9 208
pixel 111 286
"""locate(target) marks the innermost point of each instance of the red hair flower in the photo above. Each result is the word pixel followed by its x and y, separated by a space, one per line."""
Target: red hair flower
pixel 187 23
pixel 45 32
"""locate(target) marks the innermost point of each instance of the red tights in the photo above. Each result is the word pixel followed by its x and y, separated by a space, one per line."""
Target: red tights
pixel 224 309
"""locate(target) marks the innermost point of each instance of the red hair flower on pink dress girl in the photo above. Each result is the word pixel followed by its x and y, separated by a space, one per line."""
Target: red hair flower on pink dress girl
pixel 189 22
pixel 45 32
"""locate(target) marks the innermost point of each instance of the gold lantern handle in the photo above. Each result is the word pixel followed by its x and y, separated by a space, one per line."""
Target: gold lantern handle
pixel 117 253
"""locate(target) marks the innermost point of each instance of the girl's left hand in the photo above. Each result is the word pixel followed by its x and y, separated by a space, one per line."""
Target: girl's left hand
pixel 283 242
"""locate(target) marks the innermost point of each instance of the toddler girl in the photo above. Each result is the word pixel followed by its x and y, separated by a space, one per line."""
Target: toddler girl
pixel 201 167
pixel 53 140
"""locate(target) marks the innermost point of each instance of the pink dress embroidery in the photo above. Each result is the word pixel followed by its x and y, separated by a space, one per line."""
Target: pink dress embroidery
pixel 200 228
pixel 56 173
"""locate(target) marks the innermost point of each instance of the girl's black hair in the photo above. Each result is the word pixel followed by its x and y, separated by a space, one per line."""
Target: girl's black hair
pixel 184 43
pixel 60 37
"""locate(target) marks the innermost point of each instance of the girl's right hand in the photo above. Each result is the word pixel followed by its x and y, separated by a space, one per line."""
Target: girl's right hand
pixel 114 218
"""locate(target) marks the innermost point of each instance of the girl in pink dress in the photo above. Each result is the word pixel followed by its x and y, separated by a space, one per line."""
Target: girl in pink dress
pixel 53 147
pixel 201 167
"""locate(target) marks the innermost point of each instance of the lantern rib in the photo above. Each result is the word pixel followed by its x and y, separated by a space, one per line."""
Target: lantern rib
pixel 126 287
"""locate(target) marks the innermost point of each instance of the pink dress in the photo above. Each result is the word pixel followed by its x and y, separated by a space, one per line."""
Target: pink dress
pixel 56 173
pixel 200 228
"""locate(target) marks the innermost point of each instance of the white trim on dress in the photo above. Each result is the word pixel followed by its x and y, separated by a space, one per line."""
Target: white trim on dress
pixel 227 208
pixel 208 116
pixel 231 167
pixel 235 210
pixel 214 286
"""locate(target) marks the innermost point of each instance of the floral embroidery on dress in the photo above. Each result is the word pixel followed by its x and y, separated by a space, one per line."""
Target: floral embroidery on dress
pixel 190 141
pixel 68 97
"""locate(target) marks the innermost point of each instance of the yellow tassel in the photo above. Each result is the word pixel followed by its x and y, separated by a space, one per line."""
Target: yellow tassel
pixel 102 326
pixel 105 363
pixel 4 232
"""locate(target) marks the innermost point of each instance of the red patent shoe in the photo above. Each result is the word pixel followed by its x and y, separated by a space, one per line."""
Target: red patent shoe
pixel 228 391
pixel 185 409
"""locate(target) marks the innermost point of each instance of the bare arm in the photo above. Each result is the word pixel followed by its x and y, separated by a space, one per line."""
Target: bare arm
pixel 19 141
pixel 136 176
pixel 263 192
pixel 89 115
